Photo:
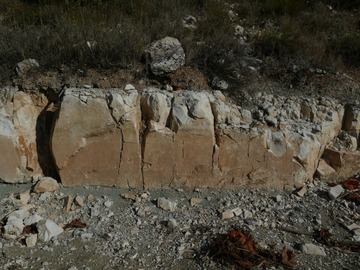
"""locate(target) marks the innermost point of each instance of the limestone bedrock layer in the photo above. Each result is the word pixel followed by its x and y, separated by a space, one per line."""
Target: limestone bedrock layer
pixel 156 138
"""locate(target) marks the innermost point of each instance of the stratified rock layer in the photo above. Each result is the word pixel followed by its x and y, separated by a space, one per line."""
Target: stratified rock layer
pixel 158 138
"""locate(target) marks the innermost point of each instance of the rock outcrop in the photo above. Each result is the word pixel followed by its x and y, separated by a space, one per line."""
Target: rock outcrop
pixel 96 138
pixel 18 127
pixel 179 141
pixel 157 138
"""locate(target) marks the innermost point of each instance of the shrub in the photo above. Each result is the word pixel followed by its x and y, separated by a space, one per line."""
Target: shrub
pixel 343 4
pixel 59 32
pixel 284 7
pixel 348 48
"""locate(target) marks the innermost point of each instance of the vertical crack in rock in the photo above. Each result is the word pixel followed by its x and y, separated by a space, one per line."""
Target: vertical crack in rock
pixel 170 116
pixel 121 154
pixel 109 99
pixel 231 138
pixel 143 132
pixel 216 148
pixel 45 125
pixel 156 137
pixel 175 166
pixel 142 140
pixel 347 118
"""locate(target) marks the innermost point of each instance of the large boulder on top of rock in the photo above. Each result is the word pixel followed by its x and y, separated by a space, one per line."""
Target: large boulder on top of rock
pixel 165 55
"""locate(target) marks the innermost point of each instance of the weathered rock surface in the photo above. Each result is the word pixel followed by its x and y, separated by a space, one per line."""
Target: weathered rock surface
pixel 182 138
pixel 181 152
pixel 352 121
pixel 345 163
pixel 165 55
pixel 19 113
pixel 96 138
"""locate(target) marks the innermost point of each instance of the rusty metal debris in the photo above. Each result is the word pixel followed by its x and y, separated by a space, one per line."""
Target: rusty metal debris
pixel 238 248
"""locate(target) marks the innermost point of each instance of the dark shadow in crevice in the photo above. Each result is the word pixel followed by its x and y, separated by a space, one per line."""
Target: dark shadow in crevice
pixel 45 124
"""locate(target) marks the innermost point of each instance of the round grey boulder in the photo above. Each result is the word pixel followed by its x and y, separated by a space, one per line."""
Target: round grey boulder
pixel 165 55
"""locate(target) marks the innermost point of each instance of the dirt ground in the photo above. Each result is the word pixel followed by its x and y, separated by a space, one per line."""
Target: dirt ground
pixel 343 86
pixel 128 229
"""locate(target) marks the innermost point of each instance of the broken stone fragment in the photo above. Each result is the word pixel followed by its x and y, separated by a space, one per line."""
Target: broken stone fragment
pixel 247 214
pixel 353 227
pixel 108 203
pixel 46 184
pixel 33 219
pixel 86 237
pixel 91 198
pixel 48 229
pixel 24 197
pixel 13 228
pixel 166 204
pixel 129 87
pixel 172 223
pixel 79 200
pixel 302 191
pixel 135 230
pixel 312 249
pixel 336 191
pixel 68 200
pixel 129 196
pixel 237 211
pixel 324 170
pixel 227 214
pixel 31 240
pixel 195 201
pixel 20 214
pixel 141 211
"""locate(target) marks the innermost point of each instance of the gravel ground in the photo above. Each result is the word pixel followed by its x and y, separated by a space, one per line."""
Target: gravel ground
pixel 173 229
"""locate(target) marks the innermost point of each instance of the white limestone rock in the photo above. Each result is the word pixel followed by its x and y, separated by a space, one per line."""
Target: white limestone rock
pixel 46 184
pixel 166 204
pixel 13 228
pixel 336 191
pixel 48 229
pixel 312 249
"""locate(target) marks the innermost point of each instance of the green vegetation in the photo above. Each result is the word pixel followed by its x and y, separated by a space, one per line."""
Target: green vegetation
pixel 108 34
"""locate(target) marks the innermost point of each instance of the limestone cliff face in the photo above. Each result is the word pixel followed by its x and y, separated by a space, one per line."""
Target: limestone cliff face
pixel 155 138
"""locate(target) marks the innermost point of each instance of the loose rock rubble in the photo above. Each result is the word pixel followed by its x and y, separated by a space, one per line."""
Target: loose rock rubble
pixel 109 228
